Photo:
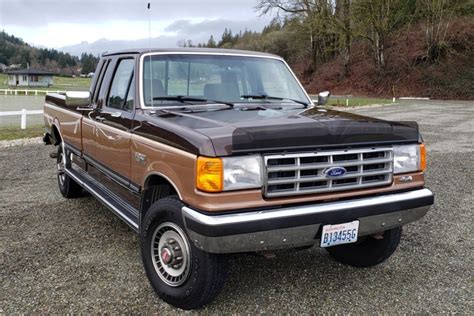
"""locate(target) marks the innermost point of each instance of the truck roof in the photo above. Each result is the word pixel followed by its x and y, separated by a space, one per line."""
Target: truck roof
pixel 188 50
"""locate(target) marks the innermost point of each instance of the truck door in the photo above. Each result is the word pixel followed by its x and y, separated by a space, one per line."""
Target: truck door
pixel 88 122
pixel 113 121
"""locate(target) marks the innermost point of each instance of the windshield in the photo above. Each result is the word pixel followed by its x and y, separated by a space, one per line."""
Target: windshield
pixel 217 77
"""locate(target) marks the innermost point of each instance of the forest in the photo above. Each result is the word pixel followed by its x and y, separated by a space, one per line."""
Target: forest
pixel 368 47
pixel 14 50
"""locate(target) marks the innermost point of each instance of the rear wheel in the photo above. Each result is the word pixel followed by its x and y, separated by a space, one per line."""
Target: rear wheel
pixel 181 274
pixel 370 251
pixel 67 186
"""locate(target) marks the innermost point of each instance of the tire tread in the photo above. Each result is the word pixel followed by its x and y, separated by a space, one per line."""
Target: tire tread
pixel 71 188
pixel 369 252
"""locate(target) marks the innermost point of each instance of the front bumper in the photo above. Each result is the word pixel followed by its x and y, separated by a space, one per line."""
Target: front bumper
pixel 290 227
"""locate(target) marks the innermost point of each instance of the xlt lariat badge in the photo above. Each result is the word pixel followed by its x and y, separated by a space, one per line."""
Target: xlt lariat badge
pixel 140 157
pixel 406 179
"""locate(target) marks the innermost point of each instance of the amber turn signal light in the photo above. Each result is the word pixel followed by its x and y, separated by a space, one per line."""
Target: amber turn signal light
pixel 209 175
pixel 423 157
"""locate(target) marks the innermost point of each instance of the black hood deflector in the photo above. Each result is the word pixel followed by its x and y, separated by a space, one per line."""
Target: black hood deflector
pixel 325 129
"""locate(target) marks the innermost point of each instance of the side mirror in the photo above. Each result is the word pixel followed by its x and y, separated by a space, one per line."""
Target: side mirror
pixel 78 98
pixel 323 97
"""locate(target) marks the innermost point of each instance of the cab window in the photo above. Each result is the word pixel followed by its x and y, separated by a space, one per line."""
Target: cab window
pixel 121 90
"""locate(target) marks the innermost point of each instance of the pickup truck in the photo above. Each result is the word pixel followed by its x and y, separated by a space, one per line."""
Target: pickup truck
pixel 208 152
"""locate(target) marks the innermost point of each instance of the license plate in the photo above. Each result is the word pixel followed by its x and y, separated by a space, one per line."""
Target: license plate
pixel 339 234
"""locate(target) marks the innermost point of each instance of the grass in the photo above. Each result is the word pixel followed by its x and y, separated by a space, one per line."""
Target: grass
pixel 357 101
pixel 72 82
pixel 14 132
pixel 60 83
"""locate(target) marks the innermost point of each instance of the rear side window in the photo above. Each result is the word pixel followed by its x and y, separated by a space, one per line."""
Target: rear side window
pixel 119 90
pixel 99 80
pixel 130 95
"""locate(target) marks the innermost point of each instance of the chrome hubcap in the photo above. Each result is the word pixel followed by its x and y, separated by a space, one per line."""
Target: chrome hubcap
pixel 170 254
pixel 61 165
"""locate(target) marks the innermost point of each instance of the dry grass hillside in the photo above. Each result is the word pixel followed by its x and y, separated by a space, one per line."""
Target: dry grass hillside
pixel 407 72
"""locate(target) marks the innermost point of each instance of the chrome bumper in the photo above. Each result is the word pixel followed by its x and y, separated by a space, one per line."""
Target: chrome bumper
pixel 298 226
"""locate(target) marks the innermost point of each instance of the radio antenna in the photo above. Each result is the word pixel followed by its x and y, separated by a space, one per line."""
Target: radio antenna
pixel 149 51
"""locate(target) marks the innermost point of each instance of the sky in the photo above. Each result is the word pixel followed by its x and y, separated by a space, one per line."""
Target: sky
pixel 69 24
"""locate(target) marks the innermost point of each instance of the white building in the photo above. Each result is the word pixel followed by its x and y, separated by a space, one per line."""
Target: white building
pixel 29 78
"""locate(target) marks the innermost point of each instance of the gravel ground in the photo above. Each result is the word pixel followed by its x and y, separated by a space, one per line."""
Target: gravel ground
pixel 20 142
pixel 68 256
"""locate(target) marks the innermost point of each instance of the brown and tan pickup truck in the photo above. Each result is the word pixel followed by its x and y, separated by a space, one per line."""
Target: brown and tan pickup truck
pixel 210 152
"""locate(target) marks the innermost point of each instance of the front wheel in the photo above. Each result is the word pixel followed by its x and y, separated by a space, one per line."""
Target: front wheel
pixel 180 273
pixel 369 251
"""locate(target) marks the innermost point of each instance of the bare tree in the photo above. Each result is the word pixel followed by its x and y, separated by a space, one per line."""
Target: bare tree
pixel 316 19
pixel 377 20
pixel 342 22
pixel 437 14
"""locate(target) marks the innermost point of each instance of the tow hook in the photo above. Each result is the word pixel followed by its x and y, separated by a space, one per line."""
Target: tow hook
pixel 267 254
pixel 378 236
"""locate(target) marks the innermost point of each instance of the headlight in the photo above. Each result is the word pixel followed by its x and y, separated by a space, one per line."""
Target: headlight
pixel 409 158
pixel 242 172
pixel 229 173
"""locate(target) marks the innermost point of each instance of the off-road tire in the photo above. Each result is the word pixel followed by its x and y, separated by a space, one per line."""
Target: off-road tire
pixel 67 186
pixel 369 251
pixel 207 272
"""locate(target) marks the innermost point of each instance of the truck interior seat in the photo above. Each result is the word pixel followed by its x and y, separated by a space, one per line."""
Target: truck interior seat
pixel 222 91
pixel 158 89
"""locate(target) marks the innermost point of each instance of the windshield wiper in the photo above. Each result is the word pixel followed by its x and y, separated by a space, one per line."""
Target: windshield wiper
pixel 184 99
pixel 268 97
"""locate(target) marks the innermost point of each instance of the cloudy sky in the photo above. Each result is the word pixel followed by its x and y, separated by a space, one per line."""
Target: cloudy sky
pixel 117 23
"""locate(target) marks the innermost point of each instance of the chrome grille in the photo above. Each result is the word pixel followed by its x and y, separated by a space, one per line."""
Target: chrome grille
pixel 304 173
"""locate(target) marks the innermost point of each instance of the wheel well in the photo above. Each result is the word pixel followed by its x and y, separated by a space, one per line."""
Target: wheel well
pixel 56 135
pixel 156 187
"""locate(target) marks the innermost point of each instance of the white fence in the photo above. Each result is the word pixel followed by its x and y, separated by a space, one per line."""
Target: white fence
pixel 23 113
pixel 28 91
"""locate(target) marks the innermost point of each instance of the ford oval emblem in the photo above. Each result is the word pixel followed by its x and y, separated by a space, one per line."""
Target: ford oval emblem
pixel 335 172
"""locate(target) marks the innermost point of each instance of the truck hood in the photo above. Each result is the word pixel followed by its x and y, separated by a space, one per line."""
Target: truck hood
pixel 250 130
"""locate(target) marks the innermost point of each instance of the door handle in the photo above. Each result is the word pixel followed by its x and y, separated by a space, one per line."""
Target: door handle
pixel 116 114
